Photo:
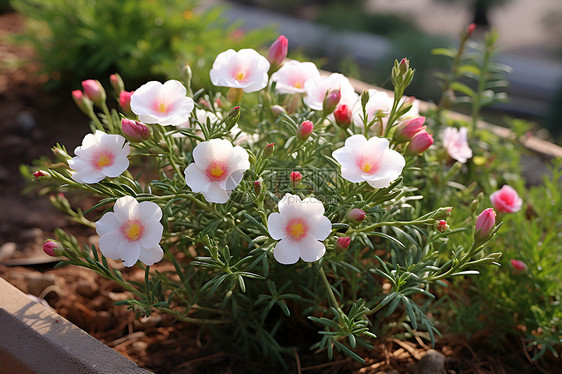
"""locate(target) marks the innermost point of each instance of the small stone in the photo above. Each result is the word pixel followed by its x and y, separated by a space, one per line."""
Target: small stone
pixel 147 322
pixel 433 362
pixel 117 296
pixel 86 287
pixel 38 282
pixel 7 250
pixel 25 122
pixel 139 346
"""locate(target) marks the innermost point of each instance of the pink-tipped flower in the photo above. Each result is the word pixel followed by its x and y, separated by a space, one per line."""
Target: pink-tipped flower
pixel 316 89
pixel 135 130
pixel 442 226
pixel 357 215
pixel 456 144
pixel 484 224
pixel 305 130
pixel 245 69
pixel 51 247
pixel 331 101
pixel 406 130
pixel 343 242
pixel 506 200
pixel 94 91
pixel 518 266
pixel 116 82
pixel 296 178
pixel 293 75
pixel 278 52
pixel 419 143
pixel 343 116
pixel 125 100
pixel 81 101
pixel 268 151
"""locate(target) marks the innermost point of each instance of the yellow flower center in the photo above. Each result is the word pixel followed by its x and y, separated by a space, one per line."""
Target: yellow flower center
pixel 216 171
pixel 132 230
pixel 368 165
pixel 297 84
pixel 103 159
pixel 296 229
pixel 240 76
pixel 162 108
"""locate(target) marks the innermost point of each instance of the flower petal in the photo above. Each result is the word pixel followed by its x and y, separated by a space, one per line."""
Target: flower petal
pixel 311 250
pixel 275 224
pixel 286 252
pixel 151 255
pixel 107 223
pixel 320 227
pixel 130 252
pixel 109 244
pixel 196 178
pixel 125 207
pixel 215 194
pixel 289 205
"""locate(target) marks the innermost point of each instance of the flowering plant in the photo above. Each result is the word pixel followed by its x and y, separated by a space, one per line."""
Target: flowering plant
pixel 268 205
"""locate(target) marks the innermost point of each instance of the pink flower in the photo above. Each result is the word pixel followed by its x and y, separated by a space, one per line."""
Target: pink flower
pixel 406 130
pixel 245 69
pixel 455 141
pixel 343 242
pixel 419 143
pixel 484 224
pixel 296 178
pixel 442 226
pixel 278 51
pixel 305 130
pixel 166 104
pixel 506 200
pixel 357 215
pixel 94 91
pixel 125 100
pixel 343 116
pixel 135 130
pixel 292 76
pixel 316 89
pixel 518 266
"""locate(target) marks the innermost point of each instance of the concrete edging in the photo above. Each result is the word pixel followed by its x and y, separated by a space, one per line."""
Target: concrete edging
pixel 35 339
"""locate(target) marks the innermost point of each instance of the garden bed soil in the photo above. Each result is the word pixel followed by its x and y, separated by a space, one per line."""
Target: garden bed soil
pixel 32 121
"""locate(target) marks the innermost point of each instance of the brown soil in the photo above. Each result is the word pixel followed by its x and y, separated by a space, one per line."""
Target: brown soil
pixel 32 121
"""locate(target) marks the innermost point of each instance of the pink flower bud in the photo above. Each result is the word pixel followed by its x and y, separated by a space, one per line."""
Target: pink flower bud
pixel 518 266
pixel 343 116
pixel 50 247
pixel 81 101
pixel 404 66
pixel 305 130
pixel 268 151
pixel 506 200
pixel 296 178
pixel 135 130
pixel 442 226
pixel 94 91
pixel 278 52
pixel 116 82
pixel 470 29
pixel 125 101
pixel 356 215
pixel 419 143
pixel 343 242
pixel 406 130
pixel 331 101
pixel 38 174
pixel 257 187
pixel 484 224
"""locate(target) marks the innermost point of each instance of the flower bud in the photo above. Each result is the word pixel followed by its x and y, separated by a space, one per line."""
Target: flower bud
pixel 356 215
pixel 518 266
pixel 343 242
pixel 305 130
pixel 343 116
pixel 116 82
pixel 406 130
pixel 442 226
pixel 257 187
pixel 268 151
pixel 60 153
pixel 470 29
pixel 232 117
pixel 331 101
pixel 41 174
pixel 52 248
pixel 296 178
pixel 278 109
pixel 94 91
pixel 419 143
pixel 81 101
pixel 484 224
pixel 442 213
pixel 404 66
pixel 125 101
pixel 278 52
pixel 135 130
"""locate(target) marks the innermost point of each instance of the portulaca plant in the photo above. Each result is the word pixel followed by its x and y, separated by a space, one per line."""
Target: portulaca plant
pixel 279 196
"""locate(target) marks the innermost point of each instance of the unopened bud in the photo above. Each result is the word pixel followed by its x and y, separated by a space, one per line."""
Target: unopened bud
pixel 81 101
pixel 116 82
pixel 232 117
pixel 268 151
pixel 470 29
pixel 125 101
pixel 257 187
pixel 357 215
pixel 343 242
pixel 331 101
pixel 442 213
pixel 94 91
pixel 296 178
pixel 442 226
pixel 404 66
pixel 52 248
pixel 41 174
pixel 234 95
pixel 305 130
pixel 343 116
pixel 278 109
pixel 519 267
pixel 419 143
pixel 135 130
pixel 484 224
pixel 278 52
pixel 60 154
pixel 406 130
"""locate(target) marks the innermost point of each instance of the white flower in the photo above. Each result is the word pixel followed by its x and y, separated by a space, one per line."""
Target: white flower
pixel 378 101
pixel 292 76
pixel 316 89
pixel 131 232
pixel 100 155
pixel 245 69
pixel 165 104
pixel 369 161
pixel 300 226
pixel 456 144
pixel 217 170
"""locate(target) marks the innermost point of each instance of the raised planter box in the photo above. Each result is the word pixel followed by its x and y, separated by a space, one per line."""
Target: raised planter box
pixel 35 339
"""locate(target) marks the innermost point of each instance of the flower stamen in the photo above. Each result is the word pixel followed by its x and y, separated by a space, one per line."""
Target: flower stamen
pixel 132 230
pixel 297 229
pixel 103 159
